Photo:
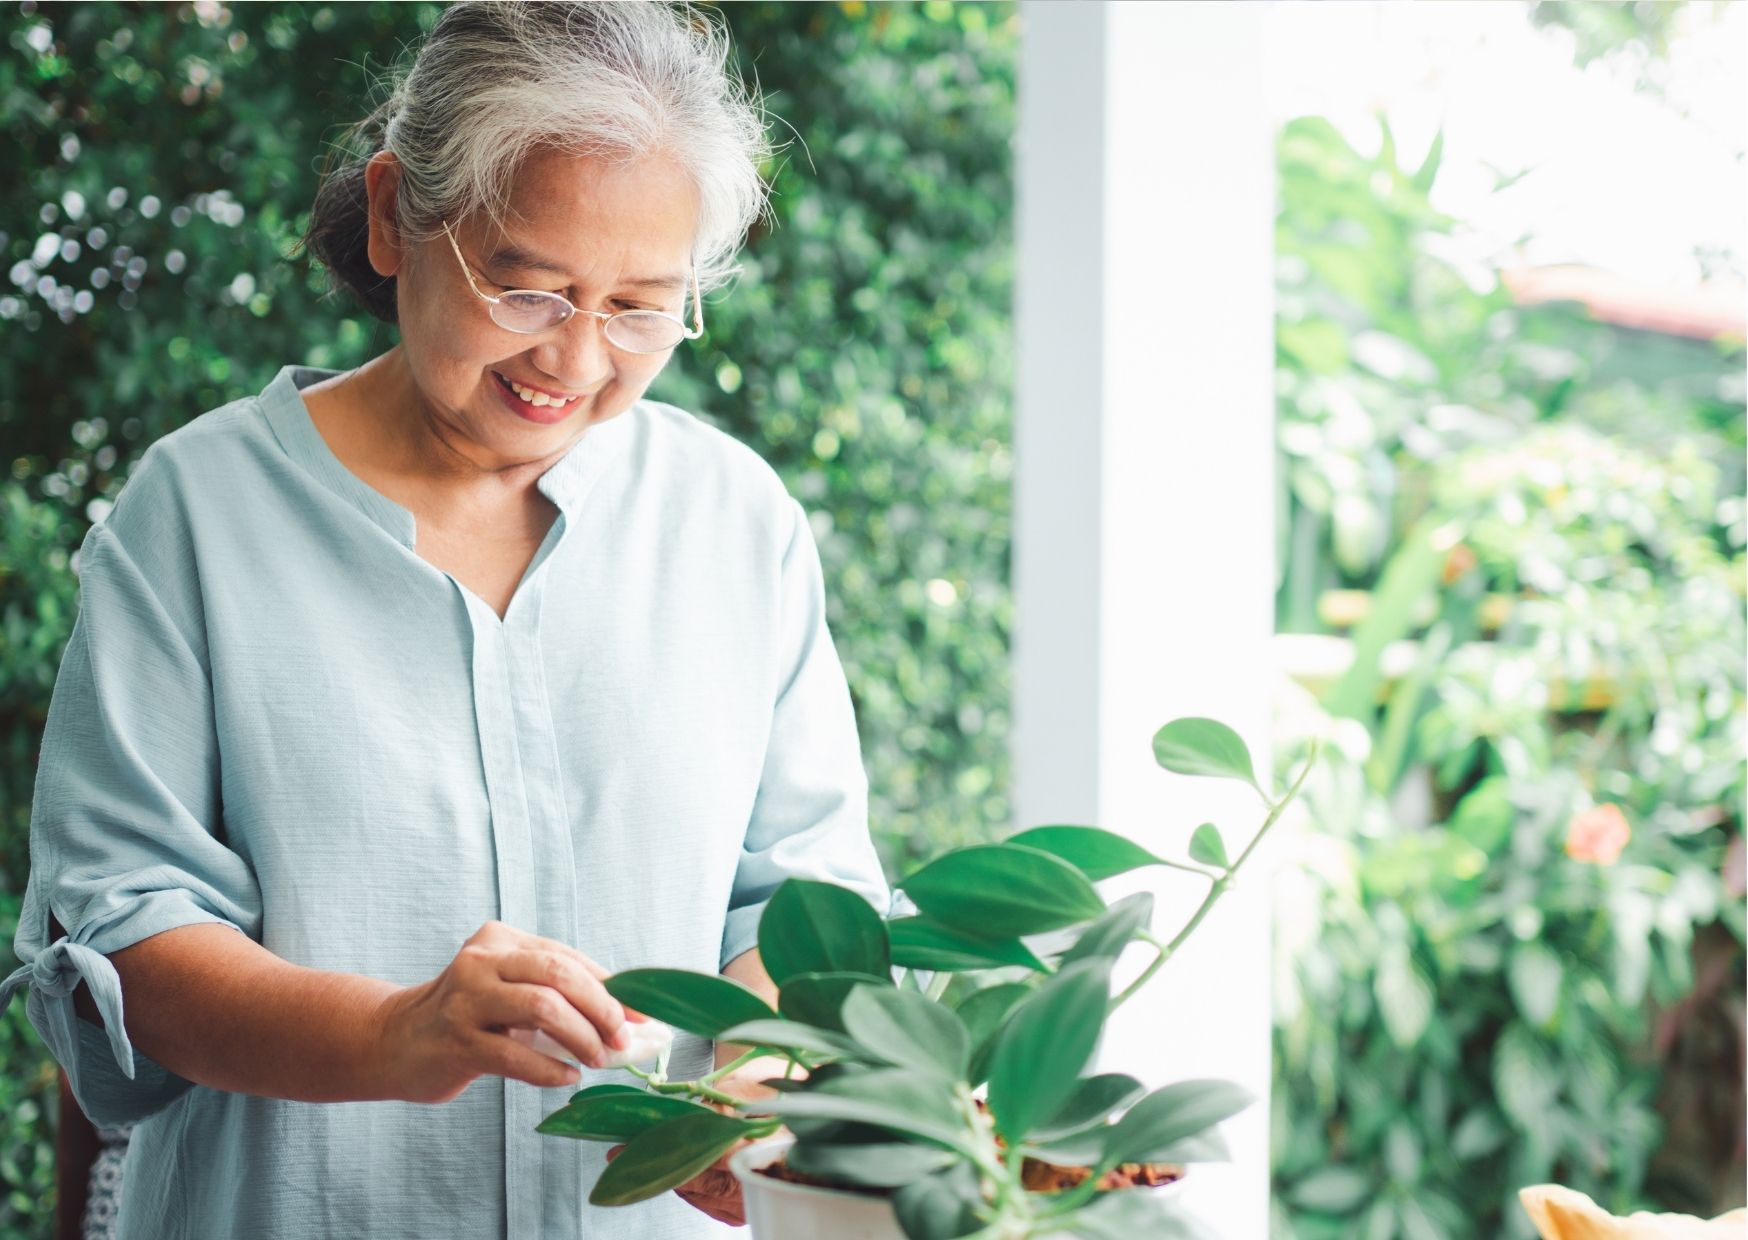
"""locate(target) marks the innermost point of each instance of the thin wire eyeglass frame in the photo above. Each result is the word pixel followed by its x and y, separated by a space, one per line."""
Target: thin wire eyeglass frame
pixel 687 333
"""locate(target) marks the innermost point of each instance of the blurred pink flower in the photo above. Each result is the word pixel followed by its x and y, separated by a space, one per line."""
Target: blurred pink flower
pixel 1597 835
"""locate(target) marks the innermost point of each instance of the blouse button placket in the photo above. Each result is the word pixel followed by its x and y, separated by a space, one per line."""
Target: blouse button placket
pixel 536 876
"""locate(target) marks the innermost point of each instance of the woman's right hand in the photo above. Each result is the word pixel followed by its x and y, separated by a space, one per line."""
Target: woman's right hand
pixel 437 1038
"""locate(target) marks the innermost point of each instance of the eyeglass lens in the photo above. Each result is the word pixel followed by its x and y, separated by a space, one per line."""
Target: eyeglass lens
pixel 638 331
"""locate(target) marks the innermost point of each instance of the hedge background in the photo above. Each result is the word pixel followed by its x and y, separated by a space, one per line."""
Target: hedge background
pixel 167 155
pixel 1436 937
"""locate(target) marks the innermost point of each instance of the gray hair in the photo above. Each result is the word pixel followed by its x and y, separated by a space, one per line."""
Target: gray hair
pixel 497 80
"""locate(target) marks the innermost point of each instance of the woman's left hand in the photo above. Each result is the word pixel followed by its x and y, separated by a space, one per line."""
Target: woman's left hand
pixel 714 1190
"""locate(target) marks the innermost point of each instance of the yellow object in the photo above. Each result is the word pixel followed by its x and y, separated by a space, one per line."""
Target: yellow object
pixel 1566 1214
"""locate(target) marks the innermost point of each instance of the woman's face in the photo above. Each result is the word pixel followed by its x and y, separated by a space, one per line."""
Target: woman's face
pixel 603 230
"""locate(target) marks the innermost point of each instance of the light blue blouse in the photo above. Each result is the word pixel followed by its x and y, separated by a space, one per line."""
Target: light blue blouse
pixel 272 714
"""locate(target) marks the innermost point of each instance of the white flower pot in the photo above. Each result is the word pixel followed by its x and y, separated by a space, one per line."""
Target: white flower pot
pixel 781 1210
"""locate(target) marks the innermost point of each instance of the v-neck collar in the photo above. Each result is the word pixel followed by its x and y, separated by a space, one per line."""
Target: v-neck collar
pixel 565 482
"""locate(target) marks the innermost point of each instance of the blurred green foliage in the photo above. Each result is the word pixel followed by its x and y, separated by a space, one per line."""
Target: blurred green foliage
pixel 1463 1008
pixel 866 353
pixel 1637 33
pixel 165 158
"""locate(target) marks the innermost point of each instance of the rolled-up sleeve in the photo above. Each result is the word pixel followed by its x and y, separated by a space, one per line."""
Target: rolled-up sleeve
pixel 810 818
pixel 125 833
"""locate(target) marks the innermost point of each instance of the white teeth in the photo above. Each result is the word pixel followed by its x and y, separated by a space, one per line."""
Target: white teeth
pixel 537 399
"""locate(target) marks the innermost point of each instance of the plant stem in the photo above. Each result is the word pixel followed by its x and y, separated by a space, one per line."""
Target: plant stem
pixel 1071 1198
pixel 1187 869
pixel 712 1077
pixel 1217 888
pixel 1276 809
pixel 938 984
pixel 1012 1202
pixel 698 1087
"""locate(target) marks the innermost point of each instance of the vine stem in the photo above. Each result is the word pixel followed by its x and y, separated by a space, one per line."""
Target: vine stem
pixel 1218 886
pixel 710 1078
pixel 1012 1203
pixel 701 1086
pixel 1070 1199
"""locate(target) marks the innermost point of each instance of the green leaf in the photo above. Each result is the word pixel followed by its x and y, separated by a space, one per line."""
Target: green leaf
pixel 984 1012
pixel 922 943
pixel 1333 1190
pixel 1428 170
pixel 618 1115
pixel 1318 344
pixel 791 1035
pixel 1085 1148
pixel 597 1091
pixel 1207 847
pixel 815 927
pixel 1480 1133
pixel 1095 852
pixel 1132 1213
pixel 915 1104
pixel 941 1205
pixel 1525 1079
pixel 1048 1039
pixel 875 1164
pixel 1094 1098
pixel 1404 997
pixel 1485 816
pixel 1382 1220
pixel 701 1003
pixel 1197 746
pixel 1411 576
pixel 1416 1225
pixel 667 1155
pixel 1209 1145
pixel 1081 1149
pixel 1396 735
pixel 1109 935
pixel 1003 891
pixel 1533 971
pixel 818 998
pixel 910 1031
pixel 1402 1153
pixel 1169 1115
pixel 1430 860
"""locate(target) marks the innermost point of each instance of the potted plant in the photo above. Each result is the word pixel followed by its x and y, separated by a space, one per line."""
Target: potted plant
pixel 940 1108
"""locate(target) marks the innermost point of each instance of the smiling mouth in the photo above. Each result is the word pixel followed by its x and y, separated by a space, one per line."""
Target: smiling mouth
pixel 534 397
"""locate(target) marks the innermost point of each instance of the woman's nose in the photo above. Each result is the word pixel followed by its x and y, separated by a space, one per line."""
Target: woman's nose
pixel 578 354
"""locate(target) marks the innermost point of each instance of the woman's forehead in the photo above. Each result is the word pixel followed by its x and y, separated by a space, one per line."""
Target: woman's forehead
pixel 510 254
pixel 573 215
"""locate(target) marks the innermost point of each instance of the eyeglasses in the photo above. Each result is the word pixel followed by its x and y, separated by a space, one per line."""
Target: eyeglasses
pixel 636 331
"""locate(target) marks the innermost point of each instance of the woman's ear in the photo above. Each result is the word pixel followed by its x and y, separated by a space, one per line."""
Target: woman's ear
pixel 382 179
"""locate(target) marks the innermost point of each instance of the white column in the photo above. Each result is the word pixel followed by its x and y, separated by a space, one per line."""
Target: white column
pixel 1144 491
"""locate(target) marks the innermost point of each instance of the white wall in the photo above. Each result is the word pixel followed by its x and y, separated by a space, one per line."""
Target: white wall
pixel 1143 531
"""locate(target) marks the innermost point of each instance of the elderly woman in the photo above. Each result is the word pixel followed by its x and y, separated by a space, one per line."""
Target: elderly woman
pixel 405 705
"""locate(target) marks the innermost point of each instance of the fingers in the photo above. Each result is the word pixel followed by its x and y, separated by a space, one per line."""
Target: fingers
pixel 580 990
pixel 499 934
pixel 565 949
pixel 510 1058
pixel 716 1192
pixel 521 1005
